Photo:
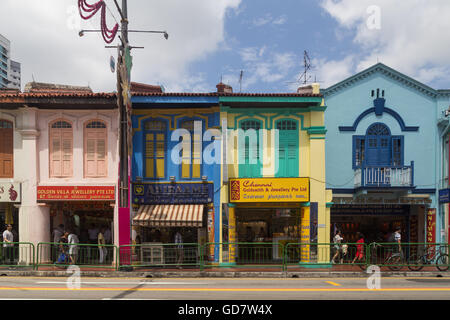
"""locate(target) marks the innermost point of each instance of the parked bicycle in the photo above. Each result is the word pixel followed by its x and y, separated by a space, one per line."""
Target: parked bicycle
pixel 384 255
pixel 417 261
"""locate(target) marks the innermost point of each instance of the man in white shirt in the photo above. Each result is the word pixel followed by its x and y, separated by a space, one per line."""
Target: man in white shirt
pixel 8 246
pixel 398 238
pixel 73 247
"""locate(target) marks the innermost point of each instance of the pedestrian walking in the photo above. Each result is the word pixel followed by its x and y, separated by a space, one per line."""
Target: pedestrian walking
pixel 101 245
pixel 8 246
pixel 337 245
pixel 179 248
pixel 63 252
pixel 398 240
pixel 359 248
pixel 108 240
pixel 57 234
pixel 93 239
pixel 73 242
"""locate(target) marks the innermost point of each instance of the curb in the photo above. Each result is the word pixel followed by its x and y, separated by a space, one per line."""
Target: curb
pixel 219 274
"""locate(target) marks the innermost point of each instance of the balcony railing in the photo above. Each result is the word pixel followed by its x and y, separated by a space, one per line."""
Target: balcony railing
pixel 385 177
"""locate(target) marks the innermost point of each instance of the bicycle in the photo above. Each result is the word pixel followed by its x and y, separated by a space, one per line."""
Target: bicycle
pixel 395 261
pixel 416 262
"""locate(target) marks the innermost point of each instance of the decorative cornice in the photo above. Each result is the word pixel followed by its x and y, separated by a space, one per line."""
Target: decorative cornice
pixel 388 72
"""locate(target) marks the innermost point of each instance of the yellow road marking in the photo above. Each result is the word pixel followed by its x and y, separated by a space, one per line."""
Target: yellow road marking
pixel 231 289
pixel 333 283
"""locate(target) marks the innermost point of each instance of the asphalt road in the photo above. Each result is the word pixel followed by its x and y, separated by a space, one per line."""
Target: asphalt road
pixel 57 288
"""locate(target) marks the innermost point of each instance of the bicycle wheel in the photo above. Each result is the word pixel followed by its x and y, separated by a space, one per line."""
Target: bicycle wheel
pixel 442 262
pixel 394 263
pixel 415 263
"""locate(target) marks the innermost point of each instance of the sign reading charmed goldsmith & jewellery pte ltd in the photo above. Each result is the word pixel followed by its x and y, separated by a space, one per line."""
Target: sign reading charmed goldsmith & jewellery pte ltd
pixel 76 193
pixel 269 190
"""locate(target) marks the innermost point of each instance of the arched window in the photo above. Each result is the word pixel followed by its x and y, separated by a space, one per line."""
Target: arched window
pixel 378 148
pixel 61 149
pixel 192 154
pixel 95 149
pixel 250 164
pixel 155 148
pixel 288 148
pixel 6 149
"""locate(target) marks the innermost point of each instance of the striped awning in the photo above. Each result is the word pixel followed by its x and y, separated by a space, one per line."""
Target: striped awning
pixel 174 215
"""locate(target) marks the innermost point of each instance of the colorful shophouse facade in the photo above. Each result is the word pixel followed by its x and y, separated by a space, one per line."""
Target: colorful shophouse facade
pixel 66 159
pixel 383 156
pixel 273 179
pixel 174 185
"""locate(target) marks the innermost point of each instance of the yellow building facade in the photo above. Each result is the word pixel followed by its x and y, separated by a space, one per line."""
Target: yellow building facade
pixel 273 191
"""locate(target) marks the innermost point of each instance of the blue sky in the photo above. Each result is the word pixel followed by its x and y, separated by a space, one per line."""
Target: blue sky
pixel 210 40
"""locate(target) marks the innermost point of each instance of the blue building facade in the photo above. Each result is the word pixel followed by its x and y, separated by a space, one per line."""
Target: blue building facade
pixel 176 170
pixel 384 155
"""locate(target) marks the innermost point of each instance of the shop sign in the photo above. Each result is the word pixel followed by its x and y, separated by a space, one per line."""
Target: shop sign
pixel 269 190
pixel 106 193
pixel 173 193
pixel 444 196
pixel 10 192
pixel 381 200
pixel 370 209
pixel 431 226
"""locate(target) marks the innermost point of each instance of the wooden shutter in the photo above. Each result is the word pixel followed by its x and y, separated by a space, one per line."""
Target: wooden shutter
pixel 61 151
pixel 95 152
pixel 6 150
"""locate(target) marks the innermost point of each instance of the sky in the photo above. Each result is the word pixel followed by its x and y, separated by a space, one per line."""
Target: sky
pixel 212 41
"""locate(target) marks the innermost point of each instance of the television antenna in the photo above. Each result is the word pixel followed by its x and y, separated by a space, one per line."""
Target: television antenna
pixel 305 76
pixel 241 75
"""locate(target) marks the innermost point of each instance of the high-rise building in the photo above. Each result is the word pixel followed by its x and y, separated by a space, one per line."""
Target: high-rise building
pixel 9 70
pixel 4 61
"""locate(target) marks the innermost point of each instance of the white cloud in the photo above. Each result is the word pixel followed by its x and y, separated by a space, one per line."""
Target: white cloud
pixel 44 39
pixel 269 19
pixel 412 37
pixel 263 65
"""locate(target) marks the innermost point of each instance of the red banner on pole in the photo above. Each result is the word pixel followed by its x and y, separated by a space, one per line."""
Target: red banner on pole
pixel 431 226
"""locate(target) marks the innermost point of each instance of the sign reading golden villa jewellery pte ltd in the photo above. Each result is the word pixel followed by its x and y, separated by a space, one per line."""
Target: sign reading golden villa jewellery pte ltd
pixel 269 190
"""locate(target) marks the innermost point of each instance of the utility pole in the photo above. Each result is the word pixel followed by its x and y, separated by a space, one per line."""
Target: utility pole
pixel 124 65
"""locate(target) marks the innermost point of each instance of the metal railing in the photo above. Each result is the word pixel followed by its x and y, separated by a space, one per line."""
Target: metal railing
pixel 167 255
pixel 386 176
pixel 82 255
pixel 17 254
pixel 245 254
pixel 414 256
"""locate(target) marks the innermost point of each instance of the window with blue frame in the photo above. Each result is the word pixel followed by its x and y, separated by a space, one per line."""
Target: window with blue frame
pixel 192 153
pixel 378 148
pixel 155 149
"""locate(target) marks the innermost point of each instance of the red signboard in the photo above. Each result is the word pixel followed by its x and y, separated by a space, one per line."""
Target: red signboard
pixel 431 226
pixel 106 193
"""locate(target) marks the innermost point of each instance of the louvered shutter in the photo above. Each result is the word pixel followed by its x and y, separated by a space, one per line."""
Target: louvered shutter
pixel 6 151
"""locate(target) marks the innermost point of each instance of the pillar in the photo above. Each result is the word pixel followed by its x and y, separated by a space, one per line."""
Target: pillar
pixel 232 236
pixel 305 235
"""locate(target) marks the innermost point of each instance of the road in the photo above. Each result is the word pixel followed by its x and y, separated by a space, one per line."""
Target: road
pixel 56 288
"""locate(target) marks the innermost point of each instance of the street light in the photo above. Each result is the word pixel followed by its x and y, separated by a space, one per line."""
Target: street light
pixel 166 35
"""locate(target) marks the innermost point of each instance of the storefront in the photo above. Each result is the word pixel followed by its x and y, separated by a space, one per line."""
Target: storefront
pixel 79 208
pixel 10 196
pixel 378 221
pixel 162 209
pixel 275 211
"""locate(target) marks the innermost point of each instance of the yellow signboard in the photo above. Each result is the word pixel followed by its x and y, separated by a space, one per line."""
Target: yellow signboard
pixel 269 190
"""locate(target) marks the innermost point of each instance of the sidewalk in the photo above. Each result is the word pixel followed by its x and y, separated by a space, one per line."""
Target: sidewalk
pixel 216 272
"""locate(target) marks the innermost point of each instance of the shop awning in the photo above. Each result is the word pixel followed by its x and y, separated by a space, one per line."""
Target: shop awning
pixel 181 215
